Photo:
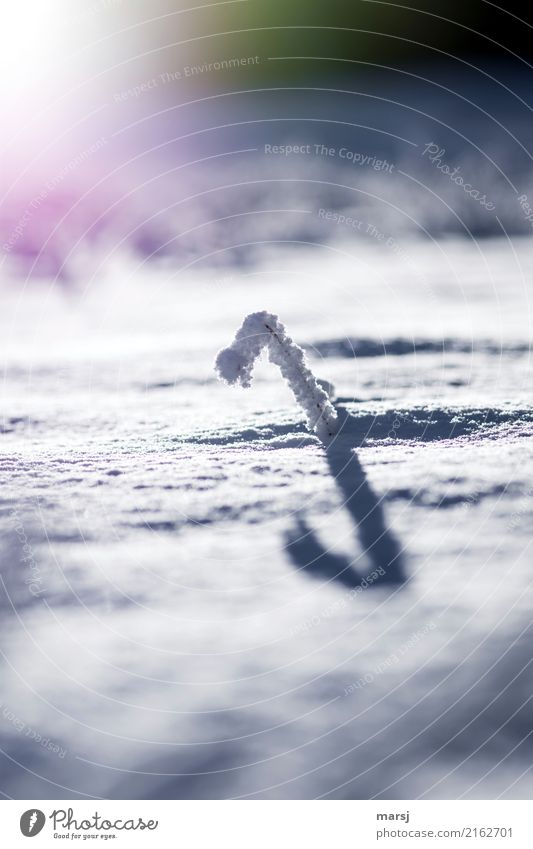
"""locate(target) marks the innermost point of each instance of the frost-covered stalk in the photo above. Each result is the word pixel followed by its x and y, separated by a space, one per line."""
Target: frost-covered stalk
pixel 263 330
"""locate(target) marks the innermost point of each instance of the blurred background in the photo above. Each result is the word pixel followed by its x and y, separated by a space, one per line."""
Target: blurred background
pixel 179 560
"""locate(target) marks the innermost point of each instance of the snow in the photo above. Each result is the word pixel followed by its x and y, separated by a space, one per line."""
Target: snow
pixel 222 605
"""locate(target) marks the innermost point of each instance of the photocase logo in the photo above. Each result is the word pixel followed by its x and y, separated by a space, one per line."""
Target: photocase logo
pixel 32 822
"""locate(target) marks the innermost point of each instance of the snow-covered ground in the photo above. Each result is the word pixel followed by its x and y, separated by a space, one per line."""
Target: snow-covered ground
pixel 199 601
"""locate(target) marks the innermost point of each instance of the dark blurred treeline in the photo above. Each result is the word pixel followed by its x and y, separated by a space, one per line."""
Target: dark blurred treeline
pixel 354 32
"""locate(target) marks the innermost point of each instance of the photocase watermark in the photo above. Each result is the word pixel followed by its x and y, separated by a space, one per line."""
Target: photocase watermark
pixel 100 6
pixel 186 72
pixel 471 499
pixel 338 604
pixel 224 279
pixel 435 154
pixel 365 227
pixel 29 732
pixel 396 425
pixel 34 580
pixel 49 187
pixel 372 231
pixel 355 157
pixel 391 660
pixel 32 822
pixel 68 825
